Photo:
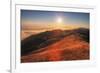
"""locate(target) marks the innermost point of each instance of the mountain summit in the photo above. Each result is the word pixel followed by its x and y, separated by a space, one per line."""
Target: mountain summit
pixel 56 45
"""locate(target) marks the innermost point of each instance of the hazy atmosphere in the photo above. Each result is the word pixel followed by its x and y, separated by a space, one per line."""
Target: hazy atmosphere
pixel 54 36
pixel 45 20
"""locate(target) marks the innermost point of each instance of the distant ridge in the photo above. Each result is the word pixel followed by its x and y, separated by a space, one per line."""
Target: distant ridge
pixel 44 39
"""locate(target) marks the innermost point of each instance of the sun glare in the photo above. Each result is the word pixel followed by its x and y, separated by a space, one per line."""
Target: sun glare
pixel 59 20
pixel 59 23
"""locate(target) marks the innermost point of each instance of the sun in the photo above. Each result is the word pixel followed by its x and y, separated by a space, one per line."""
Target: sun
pixel 59 20
pixel 59 23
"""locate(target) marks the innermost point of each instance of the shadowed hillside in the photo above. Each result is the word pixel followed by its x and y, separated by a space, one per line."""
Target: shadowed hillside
pixel 56 45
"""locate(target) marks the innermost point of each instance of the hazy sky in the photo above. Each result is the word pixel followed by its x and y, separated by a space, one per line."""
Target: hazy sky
pixel 38 20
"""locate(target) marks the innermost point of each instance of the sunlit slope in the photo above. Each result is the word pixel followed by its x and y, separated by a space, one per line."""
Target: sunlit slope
pixel 58 45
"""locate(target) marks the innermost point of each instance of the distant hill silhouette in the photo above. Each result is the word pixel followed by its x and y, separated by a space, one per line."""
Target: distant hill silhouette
pixel 41 42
